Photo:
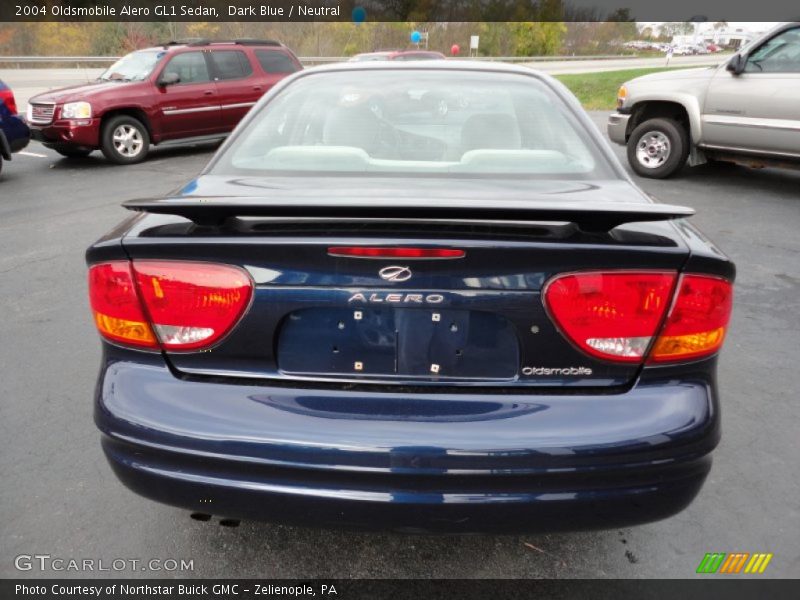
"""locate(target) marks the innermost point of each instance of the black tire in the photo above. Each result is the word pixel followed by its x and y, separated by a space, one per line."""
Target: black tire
pixel 658 148
pixel 1 165
pixel 71 152
pixel 126 151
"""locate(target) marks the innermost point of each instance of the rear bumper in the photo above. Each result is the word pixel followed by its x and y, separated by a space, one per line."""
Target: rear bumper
pixel 83 134
pixel 445 463
pixel 14 136
pixel 618 127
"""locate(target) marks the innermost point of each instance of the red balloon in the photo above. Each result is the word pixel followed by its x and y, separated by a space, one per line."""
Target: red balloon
pixel 454 49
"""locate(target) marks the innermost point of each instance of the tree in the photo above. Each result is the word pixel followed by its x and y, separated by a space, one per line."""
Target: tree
pixel 677 28
pixel 536 38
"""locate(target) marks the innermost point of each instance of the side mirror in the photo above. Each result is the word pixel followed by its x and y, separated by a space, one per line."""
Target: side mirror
pixel 736 64
pixel 170 78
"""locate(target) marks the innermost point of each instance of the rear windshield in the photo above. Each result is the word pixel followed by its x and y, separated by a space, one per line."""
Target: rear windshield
pixel 275 61
pixel 419 123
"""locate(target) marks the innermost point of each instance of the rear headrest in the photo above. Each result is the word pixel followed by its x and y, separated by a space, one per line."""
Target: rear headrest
pixel 490 131
pixel 350 126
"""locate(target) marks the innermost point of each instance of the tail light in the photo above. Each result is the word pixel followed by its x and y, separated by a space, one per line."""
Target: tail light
pixel 610 315
pixel 7 96
pixel 617 316
pixel 698 320
pixel 173 305
pixel 117 311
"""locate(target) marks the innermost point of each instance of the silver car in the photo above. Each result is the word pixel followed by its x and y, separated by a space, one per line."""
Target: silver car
pixel 746 110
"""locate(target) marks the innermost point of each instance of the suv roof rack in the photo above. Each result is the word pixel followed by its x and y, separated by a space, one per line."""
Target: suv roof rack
pixel 206 42
pixel 255 42
pixel 183 42
pixel 240 42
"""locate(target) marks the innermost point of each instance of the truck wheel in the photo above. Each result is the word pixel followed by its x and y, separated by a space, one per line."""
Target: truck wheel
pixel 125 140
pixel 70 152
pixel 658 148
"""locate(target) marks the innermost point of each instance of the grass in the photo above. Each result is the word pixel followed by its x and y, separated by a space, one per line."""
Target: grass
pixel 598 91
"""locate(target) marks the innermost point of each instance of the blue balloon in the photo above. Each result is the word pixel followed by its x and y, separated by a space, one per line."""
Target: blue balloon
pixel 416 36
pixel 359 14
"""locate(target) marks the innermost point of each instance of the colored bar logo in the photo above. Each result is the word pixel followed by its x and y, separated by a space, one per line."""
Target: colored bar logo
pixel 734 563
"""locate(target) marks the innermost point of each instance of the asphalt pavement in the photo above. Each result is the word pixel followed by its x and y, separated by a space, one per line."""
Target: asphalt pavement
pixel 60 498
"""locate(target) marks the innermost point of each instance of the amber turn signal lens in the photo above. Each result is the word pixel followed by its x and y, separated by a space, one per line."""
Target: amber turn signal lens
pixel 115 304
pixel 698 321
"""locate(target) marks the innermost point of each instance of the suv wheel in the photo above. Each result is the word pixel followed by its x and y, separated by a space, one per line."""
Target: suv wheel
pixel 71 152
pixel 125 140
pixel 658 148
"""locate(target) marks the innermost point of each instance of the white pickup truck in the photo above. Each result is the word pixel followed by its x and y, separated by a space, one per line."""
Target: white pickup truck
pixel 746 110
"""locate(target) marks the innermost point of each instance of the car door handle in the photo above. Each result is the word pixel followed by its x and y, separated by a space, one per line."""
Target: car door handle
pixel 257 88
pixel 208 93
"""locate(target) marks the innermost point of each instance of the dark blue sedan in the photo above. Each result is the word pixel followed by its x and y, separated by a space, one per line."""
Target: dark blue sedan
pixel 14 133
pixel 420 297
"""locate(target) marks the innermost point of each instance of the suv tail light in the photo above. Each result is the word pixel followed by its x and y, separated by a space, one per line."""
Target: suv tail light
pixel 177 305
pixel 7 96
pixel 616 315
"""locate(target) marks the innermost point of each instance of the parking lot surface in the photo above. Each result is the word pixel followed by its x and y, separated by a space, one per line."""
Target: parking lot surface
pixel 60 498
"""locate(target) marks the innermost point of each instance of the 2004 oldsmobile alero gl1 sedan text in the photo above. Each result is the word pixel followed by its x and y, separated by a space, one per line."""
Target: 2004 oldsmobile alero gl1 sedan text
pixel 420 297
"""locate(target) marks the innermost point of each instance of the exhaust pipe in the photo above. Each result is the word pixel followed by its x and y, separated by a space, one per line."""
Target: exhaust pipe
pixel 225 522
pixel 229 522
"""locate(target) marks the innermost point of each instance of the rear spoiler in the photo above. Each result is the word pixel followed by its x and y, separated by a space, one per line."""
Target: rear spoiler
pixel 588 216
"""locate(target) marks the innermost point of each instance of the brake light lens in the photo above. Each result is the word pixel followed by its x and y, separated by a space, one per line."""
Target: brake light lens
pixel 612 316
pixel 117 311
pixel 189 306
pixel 7 96
pixel 698 321
pixel 394 252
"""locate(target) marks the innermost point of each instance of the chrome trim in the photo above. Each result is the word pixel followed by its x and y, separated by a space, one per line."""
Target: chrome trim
pixel 752 122
pixel 239 105
pixel 43 105
pixel 184 111
pixel 617 127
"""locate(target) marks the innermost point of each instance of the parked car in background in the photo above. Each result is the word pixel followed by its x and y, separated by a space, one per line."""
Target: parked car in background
pixel 684 50
pixel 398 55
pixel 746 110
pixel 177 92
pixel 467 320
pixel 373 56
pixel 14 133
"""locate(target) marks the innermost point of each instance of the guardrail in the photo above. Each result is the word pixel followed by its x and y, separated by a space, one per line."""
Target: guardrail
pixel 80 61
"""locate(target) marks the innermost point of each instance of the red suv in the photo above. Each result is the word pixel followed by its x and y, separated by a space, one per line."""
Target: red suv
pixel 176 92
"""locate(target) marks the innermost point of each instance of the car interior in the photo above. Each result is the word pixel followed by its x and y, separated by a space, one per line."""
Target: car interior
pixel 432 128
